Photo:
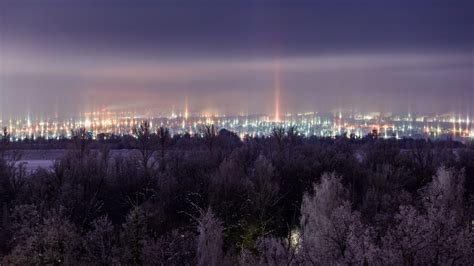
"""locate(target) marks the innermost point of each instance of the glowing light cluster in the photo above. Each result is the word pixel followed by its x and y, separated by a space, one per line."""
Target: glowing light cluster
pixel 350 124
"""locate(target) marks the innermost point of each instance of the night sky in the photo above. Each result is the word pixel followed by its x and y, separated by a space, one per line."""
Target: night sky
pixel 65 56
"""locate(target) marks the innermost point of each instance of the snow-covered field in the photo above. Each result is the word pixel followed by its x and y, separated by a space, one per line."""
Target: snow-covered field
pixel 34 159
pixel 32 165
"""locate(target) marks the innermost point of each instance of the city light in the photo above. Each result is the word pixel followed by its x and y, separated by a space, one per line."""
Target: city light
pixel 346 123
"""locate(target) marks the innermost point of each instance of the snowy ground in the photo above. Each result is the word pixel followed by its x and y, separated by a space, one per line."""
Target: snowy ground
pixel 32 165
pixel 34 159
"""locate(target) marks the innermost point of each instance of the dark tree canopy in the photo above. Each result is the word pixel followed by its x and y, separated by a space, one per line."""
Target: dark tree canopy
pixel 214 199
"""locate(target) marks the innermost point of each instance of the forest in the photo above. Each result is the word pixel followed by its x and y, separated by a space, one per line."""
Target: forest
pixel 215 199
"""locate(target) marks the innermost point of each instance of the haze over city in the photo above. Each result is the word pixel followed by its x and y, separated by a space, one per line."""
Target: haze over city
pixel 69 57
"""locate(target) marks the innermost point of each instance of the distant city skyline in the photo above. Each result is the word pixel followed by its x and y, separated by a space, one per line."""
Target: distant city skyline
pixel 271 57
pixel 340 123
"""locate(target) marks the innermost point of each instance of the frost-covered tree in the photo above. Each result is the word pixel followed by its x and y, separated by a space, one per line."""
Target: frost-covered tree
pixel 210 239
pixel 451 243
pixel 48 241
pixel 435 234
pixel 275 251
pixel 175 248
pixel 133 237
pixel 264 193
pixel 361 246
pixel 99 242
pixel 407 243
pixel 25 221
pixel 326 220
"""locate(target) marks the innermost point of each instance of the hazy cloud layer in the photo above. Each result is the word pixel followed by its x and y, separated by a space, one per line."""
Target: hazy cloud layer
pixel 72 56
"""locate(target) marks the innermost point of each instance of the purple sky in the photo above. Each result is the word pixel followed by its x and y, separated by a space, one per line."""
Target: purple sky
pixel 65 57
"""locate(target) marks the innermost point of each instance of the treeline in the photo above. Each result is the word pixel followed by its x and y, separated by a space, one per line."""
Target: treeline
pixel 213 199
pixel 119 142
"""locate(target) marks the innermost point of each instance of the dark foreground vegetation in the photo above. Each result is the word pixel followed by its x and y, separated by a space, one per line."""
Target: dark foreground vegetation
pixel 216 200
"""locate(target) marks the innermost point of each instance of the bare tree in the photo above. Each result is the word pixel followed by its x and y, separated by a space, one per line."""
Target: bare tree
pixel 81 139
pixel 293 137
pixel 143 140
pixel 13 173
pixel 164 137
pixel 279 134
pixel 293 134
pixel 5 141
pixel 210 135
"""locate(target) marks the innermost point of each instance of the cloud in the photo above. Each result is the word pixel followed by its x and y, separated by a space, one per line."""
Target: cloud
pixel 314 82
pixel 365 54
